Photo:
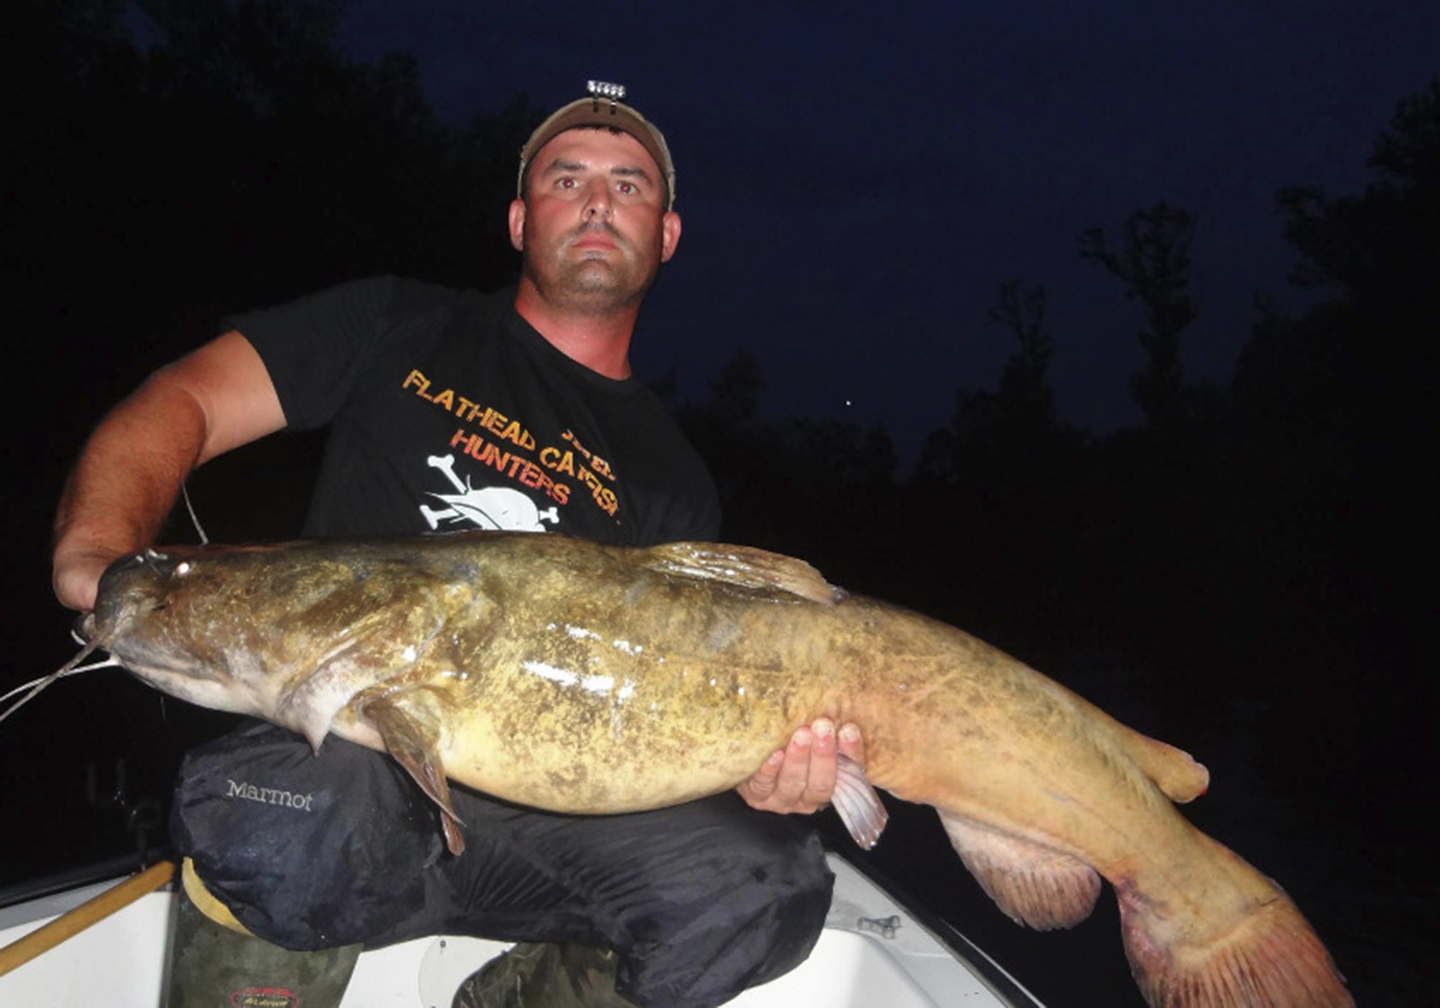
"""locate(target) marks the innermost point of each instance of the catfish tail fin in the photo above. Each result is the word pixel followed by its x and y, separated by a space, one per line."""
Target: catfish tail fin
pixel 1269 956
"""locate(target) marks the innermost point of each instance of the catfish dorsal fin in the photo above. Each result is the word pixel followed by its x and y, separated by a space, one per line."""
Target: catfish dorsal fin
pixel 742 566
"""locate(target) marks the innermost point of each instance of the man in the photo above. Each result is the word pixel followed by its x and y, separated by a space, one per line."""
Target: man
pixel 446 410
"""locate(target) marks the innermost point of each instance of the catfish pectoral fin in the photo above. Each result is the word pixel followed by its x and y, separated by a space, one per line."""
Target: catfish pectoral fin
pixel 858 805
pixel 414 749
pixel 1033 885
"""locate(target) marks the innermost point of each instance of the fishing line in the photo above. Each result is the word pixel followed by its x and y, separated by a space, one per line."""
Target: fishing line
pixel 71 667
pixel 194 518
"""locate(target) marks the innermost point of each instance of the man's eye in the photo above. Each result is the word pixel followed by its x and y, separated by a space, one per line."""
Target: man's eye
pixel 627 188
pixel 566 183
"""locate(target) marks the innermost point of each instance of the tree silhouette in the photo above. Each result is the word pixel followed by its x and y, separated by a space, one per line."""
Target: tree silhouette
pixel 1334 402
pixel 995 433
pixel 1153 263
pixel 1004 486
pixel 801 486
pixel 1021 310
pixel 1331 416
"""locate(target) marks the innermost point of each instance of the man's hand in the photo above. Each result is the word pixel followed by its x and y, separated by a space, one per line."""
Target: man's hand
pixel 801 777
pixel 77 575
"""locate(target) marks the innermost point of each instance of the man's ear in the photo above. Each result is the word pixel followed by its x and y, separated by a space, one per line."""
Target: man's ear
pixel 669 235
pixel 517 224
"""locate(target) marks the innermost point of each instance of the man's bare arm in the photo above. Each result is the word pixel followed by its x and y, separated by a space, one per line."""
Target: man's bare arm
pixel 130 472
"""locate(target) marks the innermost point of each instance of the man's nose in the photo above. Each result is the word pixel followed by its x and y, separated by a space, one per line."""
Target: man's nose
pixel 597 201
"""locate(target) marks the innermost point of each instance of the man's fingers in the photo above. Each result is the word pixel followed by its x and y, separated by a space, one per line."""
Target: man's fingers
pixel 762 785
pixel 77 576
pixel 821 771
pixel 795 771
pixel 759 790
pixel 801 777
pixel 852 743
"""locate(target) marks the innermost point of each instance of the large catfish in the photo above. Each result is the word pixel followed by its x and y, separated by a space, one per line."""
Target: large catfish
pixel 591 679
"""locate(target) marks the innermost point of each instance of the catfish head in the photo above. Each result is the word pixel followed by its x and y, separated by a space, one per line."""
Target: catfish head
pixel 160 615
pixel 290 632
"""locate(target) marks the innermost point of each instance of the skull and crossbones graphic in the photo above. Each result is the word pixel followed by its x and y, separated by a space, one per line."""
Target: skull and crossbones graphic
pixel 496 508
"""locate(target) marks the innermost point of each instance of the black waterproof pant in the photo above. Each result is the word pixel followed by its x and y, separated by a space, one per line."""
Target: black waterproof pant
pixel 700 901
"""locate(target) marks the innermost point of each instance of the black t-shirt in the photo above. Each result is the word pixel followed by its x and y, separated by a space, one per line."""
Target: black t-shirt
pixel 448 411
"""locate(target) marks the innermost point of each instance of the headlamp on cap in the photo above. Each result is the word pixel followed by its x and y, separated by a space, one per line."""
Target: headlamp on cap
pixel 602 109
pixel 604 89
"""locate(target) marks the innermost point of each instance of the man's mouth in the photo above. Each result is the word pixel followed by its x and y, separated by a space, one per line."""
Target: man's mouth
pixel 595 238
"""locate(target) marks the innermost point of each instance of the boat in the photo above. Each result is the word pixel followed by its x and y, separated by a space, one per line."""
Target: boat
pixel 104 942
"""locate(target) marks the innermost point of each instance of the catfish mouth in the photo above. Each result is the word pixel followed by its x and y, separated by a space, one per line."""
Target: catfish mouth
pixel 87 628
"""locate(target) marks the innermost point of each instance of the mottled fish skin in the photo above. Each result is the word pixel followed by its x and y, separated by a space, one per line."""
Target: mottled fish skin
pixel 586 678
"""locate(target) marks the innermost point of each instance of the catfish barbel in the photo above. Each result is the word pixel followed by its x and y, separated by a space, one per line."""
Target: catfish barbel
pixel 584 678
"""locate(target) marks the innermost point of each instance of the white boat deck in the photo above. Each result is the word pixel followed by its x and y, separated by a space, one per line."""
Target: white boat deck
pixel 872 952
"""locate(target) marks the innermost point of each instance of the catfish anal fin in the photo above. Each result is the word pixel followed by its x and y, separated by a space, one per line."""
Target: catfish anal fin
pixel 857 803
pixel 414 750
pixel 1032 884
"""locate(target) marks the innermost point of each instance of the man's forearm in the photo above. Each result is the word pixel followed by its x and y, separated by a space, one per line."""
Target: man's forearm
pixel 124 485
pixel 203 405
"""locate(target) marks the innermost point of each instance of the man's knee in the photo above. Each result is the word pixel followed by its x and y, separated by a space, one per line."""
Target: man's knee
pixel 307 852
pixel 779 858
pixel 769 895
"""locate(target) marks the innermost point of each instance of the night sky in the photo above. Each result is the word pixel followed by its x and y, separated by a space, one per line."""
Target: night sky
pixel 856 180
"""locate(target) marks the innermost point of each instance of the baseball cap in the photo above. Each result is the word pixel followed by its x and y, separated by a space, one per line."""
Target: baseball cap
pixel 602 108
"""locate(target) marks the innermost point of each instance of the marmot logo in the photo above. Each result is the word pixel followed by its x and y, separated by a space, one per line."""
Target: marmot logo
pixel 264 997
pixel 269 796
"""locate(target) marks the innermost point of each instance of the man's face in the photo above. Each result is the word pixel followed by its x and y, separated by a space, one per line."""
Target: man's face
pixel 593 228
